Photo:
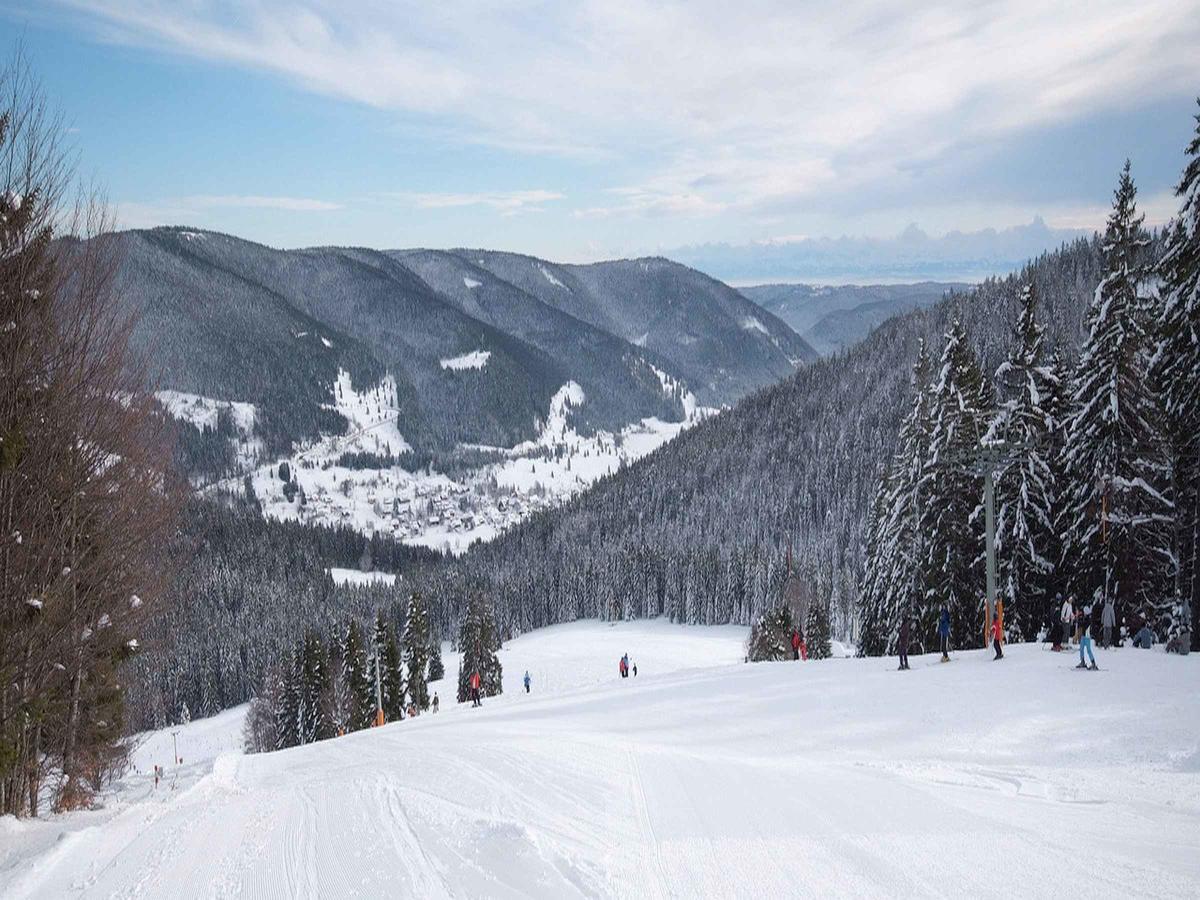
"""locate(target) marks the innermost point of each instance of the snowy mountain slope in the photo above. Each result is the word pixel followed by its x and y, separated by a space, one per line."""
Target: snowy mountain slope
pixel 206 330
pixel 617 376
pixel 720 343
pixel 342 296
pixel 837 777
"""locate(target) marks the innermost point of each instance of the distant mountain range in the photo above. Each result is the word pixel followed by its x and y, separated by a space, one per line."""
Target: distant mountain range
pixel 913 255
pixel 833 317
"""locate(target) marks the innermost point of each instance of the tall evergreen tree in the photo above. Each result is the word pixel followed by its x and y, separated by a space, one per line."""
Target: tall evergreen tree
pixel 1025 541
pixel 951 492
pixel 895 561
pixel 416 651
pixel 1119 510
pixel 877 564
pixel 437 669
pixel 816 630
pixel 391 674
pixel 478 641
pixel 1176 371
pixel 359 681
pixel 314 720
pixel 1058 411
pixel 287 710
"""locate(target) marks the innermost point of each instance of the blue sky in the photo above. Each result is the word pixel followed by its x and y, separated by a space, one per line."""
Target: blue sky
pixel 594 129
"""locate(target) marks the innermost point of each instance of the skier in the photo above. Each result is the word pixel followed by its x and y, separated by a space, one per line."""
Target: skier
pixel 1065 615
pixel 624 667
pixel 902 643
pixel 795 644
pixel 944 633
pixel 1083 624
pixel 475 682
pixel 435 701
pixel 527 681
pixel 997 631
pixel 1108 618
pixel 634 667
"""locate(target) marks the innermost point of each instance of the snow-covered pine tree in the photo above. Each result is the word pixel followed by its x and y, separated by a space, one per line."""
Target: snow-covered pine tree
pixel 1176 372
pixel 1119 512
pixel 416 650
pixel 478 641
pixel 1058 410
pixel 490 671
pixel 871 594
pixel 951 493
pixel 437 669
pixel 314 720
pixel 390 669
pixel 185 715
pixel 771 636
pixel 816 630
pixel 359 681
pixel 1025 541
pixel 895 552
pixel 287 709
pixel 903 576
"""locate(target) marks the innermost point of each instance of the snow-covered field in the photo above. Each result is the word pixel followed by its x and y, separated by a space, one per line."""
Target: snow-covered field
pixel 356 577
pixel 701 777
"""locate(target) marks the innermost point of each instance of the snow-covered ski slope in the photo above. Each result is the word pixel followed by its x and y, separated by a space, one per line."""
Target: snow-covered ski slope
pixel 836 778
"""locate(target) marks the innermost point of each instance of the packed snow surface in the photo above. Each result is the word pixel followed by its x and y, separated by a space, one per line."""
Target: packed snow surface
pixel 476 359
pixel 702 777
pixel 357 577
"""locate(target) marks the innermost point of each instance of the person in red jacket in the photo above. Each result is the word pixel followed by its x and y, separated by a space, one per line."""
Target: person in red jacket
pixel 475 682
pixel 795 644
pixel 997 635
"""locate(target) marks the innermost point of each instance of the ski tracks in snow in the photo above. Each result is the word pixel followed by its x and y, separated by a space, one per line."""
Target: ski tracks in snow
pixel 649 837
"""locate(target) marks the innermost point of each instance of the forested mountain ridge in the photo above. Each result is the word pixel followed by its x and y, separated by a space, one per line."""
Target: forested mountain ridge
pixel 716 340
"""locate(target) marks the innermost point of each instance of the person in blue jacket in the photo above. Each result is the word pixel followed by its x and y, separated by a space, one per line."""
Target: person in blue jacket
pixel 944 633
pixel 527 681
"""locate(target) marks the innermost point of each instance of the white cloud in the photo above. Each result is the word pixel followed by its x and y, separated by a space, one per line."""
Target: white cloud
pixel 753 107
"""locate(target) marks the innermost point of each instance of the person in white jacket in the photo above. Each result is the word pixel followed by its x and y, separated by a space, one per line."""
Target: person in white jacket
pixel 1066 616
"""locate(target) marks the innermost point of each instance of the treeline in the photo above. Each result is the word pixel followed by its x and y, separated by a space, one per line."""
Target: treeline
pixel 247 590
pixel 1095 459
pixel 343 681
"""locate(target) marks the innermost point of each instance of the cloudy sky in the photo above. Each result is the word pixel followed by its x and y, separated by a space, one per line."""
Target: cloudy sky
pixel 579 130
